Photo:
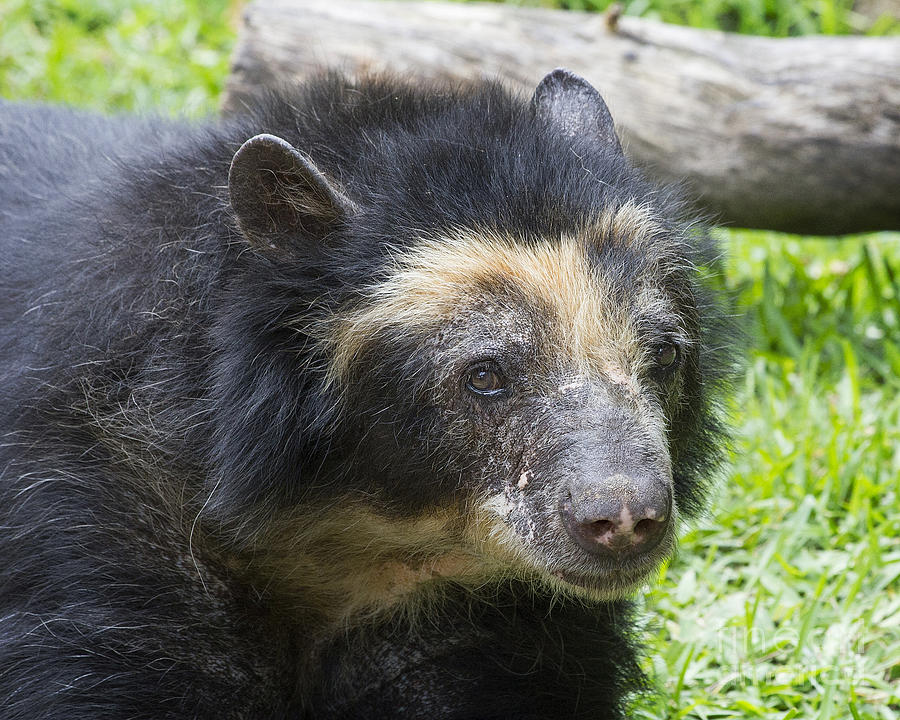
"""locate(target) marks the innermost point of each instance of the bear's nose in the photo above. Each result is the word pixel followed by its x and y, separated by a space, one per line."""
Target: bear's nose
pixel 603 520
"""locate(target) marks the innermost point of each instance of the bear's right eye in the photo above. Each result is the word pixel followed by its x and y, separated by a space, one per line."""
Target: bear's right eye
pixel 485 381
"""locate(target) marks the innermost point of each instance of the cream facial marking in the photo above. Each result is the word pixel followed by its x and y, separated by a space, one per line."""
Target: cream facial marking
pixel 429 283
pixel 617 376
pixel 569 387
pixel 523 480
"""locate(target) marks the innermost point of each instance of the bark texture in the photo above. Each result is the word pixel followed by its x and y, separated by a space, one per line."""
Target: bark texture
pixel 799 134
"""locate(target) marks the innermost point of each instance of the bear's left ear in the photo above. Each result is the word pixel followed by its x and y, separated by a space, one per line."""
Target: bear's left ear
pixel 573 105
pixel 277 192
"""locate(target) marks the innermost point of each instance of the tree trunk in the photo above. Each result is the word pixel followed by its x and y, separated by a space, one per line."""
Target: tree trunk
pixel 798 134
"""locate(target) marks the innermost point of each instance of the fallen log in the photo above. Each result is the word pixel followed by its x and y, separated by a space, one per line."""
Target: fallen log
pixel 799 134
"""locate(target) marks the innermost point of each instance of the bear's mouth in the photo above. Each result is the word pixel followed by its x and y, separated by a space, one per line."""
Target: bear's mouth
pixel 603 586
pixel 539 545
pixel 609 580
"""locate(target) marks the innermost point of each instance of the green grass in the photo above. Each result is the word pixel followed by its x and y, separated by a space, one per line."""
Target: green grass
pixel 779 18
pixel 169 56
pixel 785 601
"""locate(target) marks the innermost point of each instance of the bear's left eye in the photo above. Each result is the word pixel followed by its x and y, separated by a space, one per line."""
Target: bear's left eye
pixel 666 356
pixel 485 381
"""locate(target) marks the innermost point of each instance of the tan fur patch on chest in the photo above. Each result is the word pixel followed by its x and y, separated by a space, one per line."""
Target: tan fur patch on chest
pixel 349 562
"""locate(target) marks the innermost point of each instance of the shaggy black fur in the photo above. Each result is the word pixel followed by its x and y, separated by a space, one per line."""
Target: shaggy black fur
pixel 152 367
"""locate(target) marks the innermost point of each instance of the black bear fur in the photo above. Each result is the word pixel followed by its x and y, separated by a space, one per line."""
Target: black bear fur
pixel 158 411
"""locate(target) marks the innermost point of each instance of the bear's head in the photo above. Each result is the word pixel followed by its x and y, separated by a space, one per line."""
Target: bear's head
pixel 497 354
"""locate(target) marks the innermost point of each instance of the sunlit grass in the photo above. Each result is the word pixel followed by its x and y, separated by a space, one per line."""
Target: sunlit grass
pixel 785 601
pixel 168 56
pixel 779 18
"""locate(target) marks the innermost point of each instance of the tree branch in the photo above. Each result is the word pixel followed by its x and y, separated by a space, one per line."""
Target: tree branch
pixel 797 134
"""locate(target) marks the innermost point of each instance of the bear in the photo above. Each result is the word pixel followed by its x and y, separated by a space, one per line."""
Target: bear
pixel 378 398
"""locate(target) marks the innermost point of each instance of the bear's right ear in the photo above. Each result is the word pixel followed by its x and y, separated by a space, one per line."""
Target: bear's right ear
pixel 277 192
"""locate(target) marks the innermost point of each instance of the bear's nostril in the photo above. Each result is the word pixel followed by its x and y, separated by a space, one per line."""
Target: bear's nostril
pixel 601 527
pixel 647 529
pixel 599 531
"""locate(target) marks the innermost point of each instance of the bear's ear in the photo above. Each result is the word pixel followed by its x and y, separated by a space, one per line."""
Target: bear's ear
pixel 572 104
pixel 277 192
